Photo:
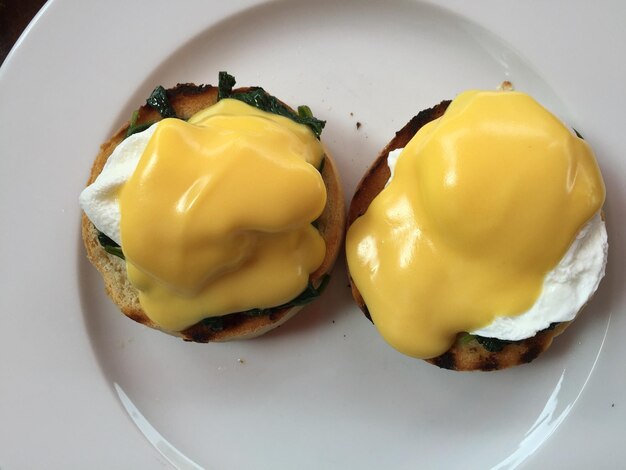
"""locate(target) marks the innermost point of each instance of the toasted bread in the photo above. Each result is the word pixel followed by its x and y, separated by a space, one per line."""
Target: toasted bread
pixel 186 100
pixel 466 354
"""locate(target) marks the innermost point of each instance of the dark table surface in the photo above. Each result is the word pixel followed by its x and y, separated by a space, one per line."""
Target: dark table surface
pixel 14 17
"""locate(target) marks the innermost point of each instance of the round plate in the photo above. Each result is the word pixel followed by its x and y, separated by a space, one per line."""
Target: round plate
pixel 85 386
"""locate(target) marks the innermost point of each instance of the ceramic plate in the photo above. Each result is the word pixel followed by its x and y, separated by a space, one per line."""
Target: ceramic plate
pixel 84 387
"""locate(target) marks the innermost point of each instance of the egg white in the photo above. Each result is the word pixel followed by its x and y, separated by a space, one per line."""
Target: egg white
pixel 99 199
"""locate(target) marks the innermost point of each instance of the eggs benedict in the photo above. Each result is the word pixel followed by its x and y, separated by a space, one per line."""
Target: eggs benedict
pixel 215 213
pixel 477 235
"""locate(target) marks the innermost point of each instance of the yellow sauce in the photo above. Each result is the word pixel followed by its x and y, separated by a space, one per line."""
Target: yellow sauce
pixel 483 204
pixel 217 216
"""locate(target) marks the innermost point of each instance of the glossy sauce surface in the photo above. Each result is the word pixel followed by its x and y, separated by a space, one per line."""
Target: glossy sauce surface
pixel 483 204
pixel 217 216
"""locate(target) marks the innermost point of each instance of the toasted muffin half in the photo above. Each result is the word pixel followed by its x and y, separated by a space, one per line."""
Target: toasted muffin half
pixel 186 100
pixel 468 353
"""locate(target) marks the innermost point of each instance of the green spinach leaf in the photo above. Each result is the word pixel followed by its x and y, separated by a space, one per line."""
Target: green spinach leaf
pixel 225 84
pixel 133 127
pixel 262 100
pixel 309 294
pixel 110 246
pixel 491 344
pixel 215 323
pixel 158 100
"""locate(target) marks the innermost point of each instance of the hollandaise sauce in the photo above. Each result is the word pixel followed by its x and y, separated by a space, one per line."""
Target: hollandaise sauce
pixel 484 202
pixel 217 216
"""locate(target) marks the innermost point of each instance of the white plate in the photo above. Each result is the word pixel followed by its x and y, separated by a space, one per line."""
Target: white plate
pixel 83 387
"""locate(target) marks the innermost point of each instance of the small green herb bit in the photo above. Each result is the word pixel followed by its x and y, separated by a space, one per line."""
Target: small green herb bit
pixel 134 128
pixel 158 100
pixel 304 111
pixel 225 85
pixel 310 293
pixel 110 246
pixel 492 344
pixel 215 323
pixel 465 338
